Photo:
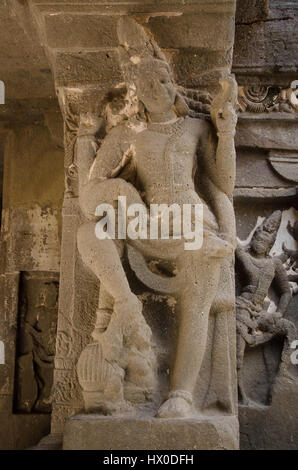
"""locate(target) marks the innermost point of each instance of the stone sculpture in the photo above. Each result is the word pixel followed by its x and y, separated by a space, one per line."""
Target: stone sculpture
pixel 255 325
pixel 36 341
pixel 154 152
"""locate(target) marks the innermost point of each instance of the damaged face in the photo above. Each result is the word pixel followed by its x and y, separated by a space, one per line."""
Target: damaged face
pixel 155 88
pixel 262 242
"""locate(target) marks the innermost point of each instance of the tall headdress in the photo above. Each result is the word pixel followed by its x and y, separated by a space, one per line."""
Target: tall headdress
pixel 139 52
pixel 137 48
pixel 271 225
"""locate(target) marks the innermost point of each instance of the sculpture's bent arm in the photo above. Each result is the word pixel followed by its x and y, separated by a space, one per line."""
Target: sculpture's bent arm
pixel 114 153
pixel 108 156
pixel 219 157
pixel 221 149
pixel 242 256
pixel 98 177
pixel 282 282
pixel 218 164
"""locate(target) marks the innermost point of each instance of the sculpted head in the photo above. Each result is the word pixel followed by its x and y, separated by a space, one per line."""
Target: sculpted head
pixel 265 235
pixel 154 86
pixel 147 70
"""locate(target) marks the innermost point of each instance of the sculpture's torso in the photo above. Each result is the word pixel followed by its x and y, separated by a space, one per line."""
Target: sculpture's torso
pixel 165 161
pixel 261 273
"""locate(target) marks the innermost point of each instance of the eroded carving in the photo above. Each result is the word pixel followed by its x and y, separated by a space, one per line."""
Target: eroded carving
pixel 155 152
pixel 264 99
pixel 256 325
pixel 36 341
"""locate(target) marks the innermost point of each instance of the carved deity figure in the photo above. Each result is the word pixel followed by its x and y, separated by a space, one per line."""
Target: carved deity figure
pixel 158 155
pixel 255 326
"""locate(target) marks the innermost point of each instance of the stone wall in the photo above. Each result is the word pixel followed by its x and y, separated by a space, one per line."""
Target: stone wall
pixel 32 192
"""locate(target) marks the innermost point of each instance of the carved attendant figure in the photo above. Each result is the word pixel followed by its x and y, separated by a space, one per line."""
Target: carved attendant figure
pixel 255 326
pixel 157 161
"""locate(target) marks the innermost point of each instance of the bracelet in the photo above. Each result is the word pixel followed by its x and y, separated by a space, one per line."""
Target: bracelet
pixel 226 134
pixel 187 396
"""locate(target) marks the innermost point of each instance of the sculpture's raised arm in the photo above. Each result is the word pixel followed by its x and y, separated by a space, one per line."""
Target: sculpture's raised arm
pixel 222 171
pixel 219 159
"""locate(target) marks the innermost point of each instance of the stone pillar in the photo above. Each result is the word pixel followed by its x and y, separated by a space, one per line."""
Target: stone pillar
pixel 82 45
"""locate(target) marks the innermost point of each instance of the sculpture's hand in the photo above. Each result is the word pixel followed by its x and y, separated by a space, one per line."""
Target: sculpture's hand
pixel 223 108
pixel 89 124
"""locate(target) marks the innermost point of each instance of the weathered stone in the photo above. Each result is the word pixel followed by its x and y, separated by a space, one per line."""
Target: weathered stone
pixel 73 68
pixel 118 369
pixel 84 432
pixel 253 171
pixel 255 325
pixel 71 46
pixel 265 51
pixel 38 311
pixel 249 11
pixel 19 432
pixel 265 194
pixel 183 31
pixel 274 427
pixel 197 68
pixel 81 31
pixel 263 131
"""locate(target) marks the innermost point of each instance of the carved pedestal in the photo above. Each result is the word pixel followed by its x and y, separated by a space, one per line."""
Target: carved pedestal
pixel 86 432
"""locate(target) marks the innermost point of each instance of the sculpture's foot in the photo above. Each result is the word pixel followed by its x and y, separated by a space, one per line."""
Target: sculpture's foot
pixel 216 247
pixel 178 405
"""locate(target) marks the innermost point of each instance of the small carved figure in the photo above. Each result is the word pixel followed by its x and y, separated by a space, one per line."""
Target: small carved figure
pixel 36 341
pixel 255 325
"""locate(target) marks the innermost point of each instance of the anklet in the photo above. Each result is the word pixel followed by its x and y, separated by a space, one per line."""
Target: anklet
pixel 187 396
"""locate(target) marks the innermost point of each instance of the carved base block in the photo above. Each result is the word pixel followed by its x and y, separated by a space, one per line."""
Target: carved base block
pixel 93 432
pixel 273 427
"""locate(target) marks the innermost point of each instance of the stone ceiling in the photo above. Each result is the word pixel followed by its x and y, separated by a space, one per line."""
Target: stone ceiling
pixel 73 43
pixel 24 67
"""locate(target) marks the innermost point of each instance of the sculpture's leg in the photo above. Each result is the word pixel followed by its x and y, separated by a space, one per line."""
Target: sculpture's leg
pixel 194 308
pixel 102 257
pixel 44 378
pixel 220 391
pixel 241 344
